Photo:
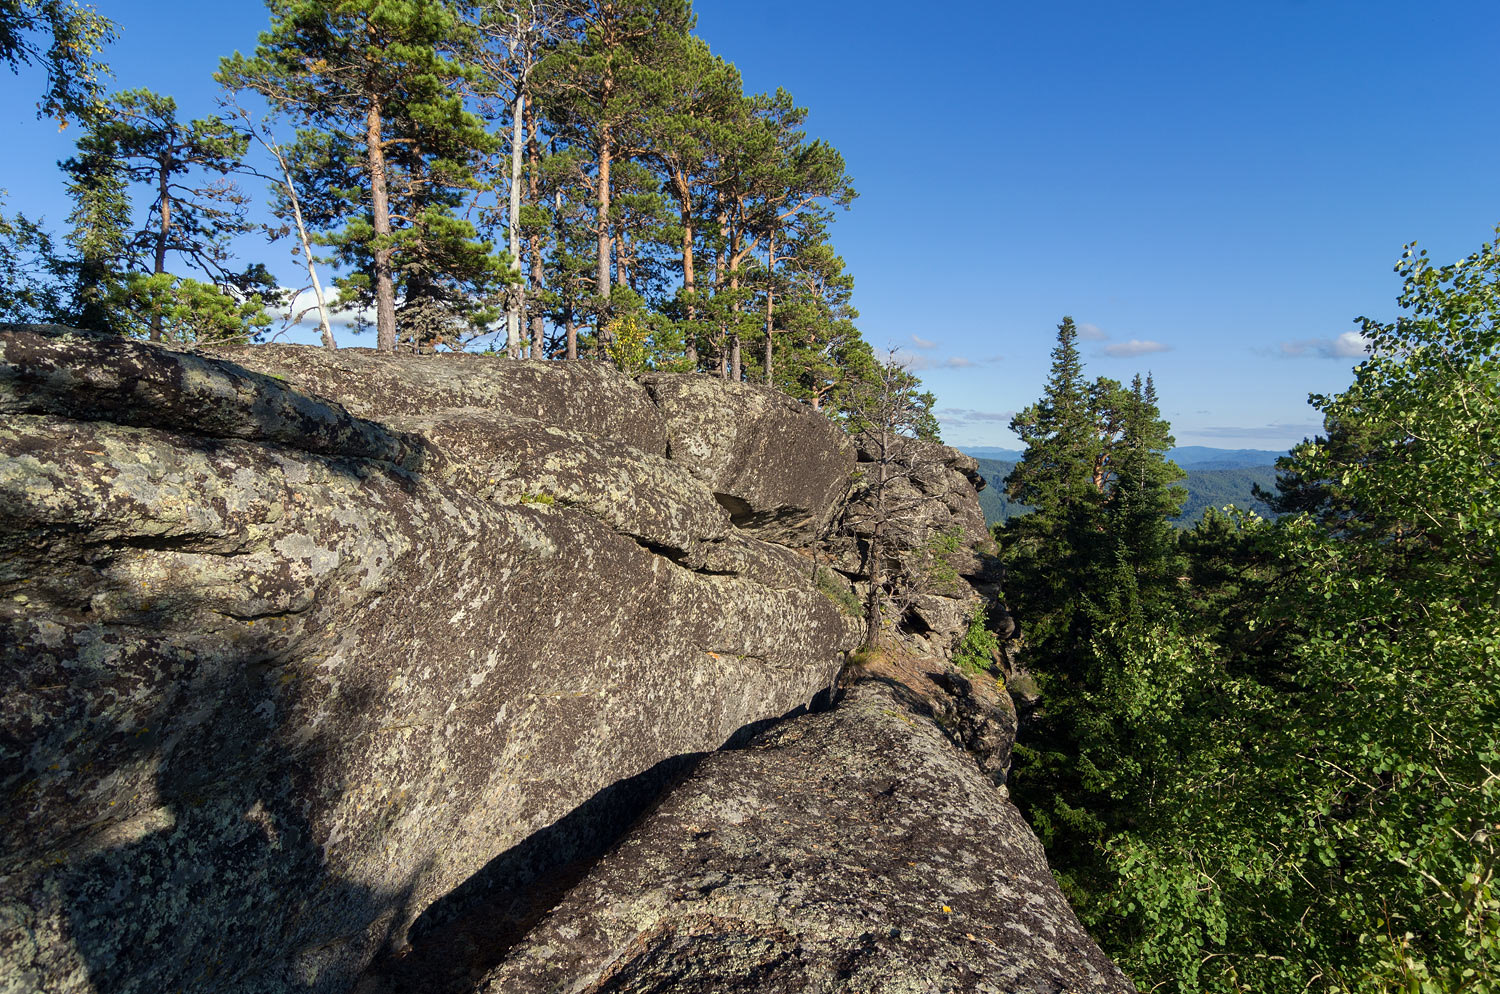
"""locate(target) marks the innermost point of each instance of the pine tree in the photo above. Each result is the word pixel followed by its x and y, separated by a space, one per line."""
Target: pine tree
pixel 597 87
pixel 684 135
pixel 378 77
pixel 195 210
pixel 889 415
pixel 509 41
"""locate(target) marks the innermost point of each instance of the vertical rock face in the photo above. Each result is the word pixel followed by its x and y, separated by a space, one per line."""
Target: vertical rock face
pixel 781 475
pixel 311 655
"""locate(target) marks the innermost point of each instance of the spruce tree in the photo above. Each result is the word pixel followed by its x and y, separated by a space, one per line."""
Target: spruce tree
pixel 1093 568
pixel 100 220
pixel 1144 498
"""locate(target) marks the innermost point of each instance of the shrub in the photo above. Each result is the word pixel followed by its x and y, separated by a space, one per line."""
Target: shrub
pixel 976 651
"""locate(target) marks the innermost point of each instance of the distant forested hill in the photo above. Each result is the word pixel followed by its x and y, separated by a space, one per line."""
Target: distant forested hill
pixel 1206 488
pixel 996 506
pixel 1217 487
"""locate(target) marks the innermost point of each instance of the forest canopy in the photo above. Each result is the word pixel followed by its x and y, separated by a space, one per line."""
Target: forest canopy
pixel 1266 756
pixel 550 178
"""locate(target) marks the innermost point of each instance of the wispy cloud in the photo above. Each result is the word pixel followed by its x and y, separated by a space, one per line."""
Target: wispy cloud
pixel 923 343
pixel 1134 347
pixel 915 363
pixel 1091 332
pixel 959 362
pixel 1279 430
pixel 959 417
pixel 1349 345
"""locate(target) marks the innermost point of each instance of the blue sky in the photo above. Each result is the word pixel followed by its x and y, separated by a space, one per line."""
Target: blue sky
pixel 1214 191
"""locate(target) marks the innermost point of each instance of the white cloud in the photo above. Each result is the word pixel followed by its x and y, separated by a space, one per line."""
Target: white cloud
pixel 304 308
pixel 1134 347
pixel 923 343
pixel 958 362
pixel 1349 345
pixel 1091 332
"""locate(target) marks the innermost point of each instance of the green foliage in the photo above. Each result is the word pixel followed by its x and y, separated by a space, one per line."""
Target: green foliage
pixel 1285 776
pixel 942 553
pixel 186 311
pixel 100 219
pixel 64 38
pixel 977 651
pixel 639 341
pixel 30 289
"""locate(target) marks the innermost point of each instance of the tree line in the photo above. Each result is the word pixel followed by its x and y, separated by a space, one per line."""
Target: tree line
pixel 573 177
pixel 1266 755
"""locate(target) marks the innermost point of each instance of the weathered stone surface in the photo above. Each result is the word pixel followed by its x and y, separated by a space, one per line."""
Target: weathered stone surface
pixel 524 461
pixel 50 370
pixel 589 397
pixel 853 850
pixel 780 469
pixel 935 530
pixel 271 693
pixel 312 655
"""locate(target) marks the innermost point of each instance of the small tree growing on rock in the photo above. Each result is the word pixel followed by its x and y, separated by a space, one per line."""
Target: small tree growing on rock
pixel 890 417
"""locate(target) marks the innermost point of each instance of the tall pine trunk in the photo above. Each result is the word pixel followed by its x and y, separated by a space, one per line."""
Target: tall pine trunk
pixel 685 203
pixel 385 284
pixel 719 275
pixel 161 242
pixel 734 306
pixel 605 234
pixel 770 296
pixel 518 293
pixel 538 324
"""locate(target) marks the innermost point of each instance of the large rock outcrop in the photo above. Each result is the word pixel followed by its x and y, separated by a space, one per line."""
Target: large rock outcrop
pixel 279 677
pixel 345 669
pixel 850 851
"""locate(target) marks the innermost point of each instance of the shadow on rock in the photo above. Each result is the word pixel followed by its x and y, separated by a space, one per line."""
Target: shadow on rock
pixel 466 933
pixel 221 887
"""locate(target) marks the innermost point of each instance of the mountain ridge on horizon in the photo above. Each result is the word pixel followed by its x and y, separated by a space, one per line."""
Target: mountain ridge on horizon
pixel 1186 456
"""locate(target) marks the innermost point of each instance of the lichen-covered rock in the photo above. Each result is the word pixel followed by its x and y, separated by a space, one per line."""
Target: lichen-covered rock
pixel 935 546
pixel 781 469
pixel 50 370
pixel 280 677
pixel 589 397
pixel 315 655
pixel 525 461
pixel 849 851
